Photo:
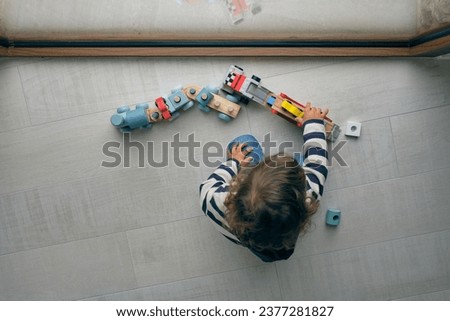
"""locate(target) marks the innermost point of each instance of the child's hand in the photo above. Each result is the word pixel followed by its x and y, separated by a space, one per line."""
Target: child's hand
pixel 239 153
pixel 313 113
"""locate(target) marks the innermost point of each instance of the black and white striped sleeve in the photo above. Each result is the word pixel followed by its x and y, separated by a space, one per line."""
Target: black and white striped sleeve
pixel 315 157
pixel 213 193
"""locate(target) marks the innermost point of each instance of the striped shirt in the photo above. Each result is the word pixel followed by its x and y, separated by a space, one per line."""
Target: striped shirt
pixel 215 189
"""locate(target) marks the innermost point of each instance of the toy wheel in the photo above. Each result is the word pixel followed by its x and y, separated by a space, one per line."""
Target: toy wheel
pixel 203 108
pixel 224 117
pixel 125 130
pixel 232 98
pixel 256 9
pixel 244 100
pixel 117 120
pixel 175 115
pixel 227 90
pixel 212 89
pixel 143 105
pixel 188 105
pixel 123 109
pixel 177 88
pixel 256 78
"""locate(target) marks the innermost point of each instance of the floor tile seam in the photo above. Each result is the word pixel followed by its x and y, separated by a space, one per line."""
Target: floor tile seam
pixel 372 244
pixel 313 68
pixel 27 103
pixel 34 124
pixel 112 109
pixel 133 265
pixel 394 144
pixel 4 131
pixel 25 61
pixel 101 236
pixel 78 116
pixel 399 177
pixel 278 281
pixel 194 217
pixel 78 179
pixel 180 280
pixel 443 106
pixel 407 113
pixel 49 185
pixel 424 293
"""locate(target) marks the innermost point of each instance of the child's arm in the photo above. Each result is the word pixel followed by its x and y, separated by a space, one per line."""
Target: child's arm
pixel 215 189
pixel 213 193
pixel 315 150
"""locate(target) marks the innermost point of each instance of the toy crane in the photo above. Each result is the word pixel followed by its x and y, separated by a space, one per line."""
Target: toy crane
pixel 249 88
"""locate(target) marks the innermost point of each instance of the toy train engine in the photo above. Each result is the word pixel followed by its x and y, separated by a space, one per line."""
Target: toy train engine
pixel 142 116
pixel 236 83
pixel 127 119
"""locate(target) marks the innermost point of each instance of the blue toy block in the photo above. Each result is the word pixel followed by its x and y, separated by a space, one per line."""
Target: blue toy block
pixel 123 109
pixel 233 99
pixel 177 88
pixel 178 100
pixel 204 108
pixel 128 119
pixel 204 96
pixel 333 217
pixel 271 100
pixel 224 117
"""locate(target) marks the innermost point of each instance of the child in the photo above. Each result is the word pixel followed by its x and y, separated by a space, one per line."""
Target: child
pixel 265 204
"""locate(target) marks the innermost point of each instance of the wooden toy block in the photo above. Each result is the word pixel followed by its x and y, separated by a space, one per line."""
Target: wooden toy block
pixel 127 119
pixel 297 112
pixel 169 107
pixel 353 129
pixel 333 217
pixel 287 108
pixel 214 101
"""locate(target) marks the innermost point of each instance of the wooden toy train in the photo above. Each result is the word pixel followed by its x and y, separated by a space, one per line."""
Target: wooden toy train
pixel 169 107
pixel 250 89
pixel 239 88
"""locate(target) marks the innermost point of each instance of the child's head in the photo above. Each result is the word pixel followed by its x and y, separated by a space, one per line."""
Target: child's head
pixel 267 204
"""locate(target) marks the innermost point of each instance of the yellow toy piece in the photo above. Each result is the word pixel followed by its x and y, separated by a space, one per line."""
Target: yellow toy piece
pixel 292 109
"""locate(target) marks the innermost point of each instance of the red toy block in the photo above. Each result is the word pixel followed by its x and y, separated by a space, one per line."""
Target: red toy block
pixel 161 104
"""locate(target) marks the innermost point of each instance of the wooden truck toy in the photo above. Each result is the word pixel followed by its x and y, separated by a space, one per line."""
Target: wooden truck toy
pixel 237 84
pixel 169 107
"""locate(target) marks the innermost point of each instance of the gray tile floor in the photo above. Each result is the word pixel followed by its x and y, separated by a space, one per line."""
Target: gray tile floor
pixel 72 229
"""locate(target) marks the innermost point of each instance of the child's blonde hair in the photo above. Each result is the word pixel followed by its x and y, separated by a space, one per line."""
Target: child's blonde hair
pixel 267 206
